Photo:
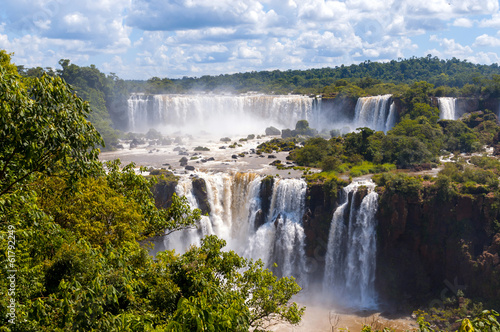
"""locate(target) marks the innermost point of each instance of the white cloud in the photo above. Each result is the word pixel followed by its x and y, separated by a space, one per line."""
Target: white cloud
pixel 484 58
pixel 449 48
pixel 493 22
pixel 246 52
pixel 76 22
pixel 486 41
pixel 99 24
pixel 4 42
pixel 143 38
pixel 463 22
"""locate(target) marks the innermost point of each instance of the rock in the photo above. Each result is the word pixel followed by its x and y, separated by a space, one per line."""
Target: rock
pixel 266 194
pixel 260 219
pixel 286 133
pixel 189 168
pixel 201 195
pixel 234 156
pixel 222 147
pixel 163 191
pixel 275 163
pixel 211 159
pixel 272 131
pixel 183 161
pixel 271 156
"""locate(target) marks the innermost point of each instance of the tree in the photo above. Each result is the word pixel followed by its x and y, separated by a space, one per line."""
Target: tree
pixel 79 265
pixel 216 296
pixel 43 128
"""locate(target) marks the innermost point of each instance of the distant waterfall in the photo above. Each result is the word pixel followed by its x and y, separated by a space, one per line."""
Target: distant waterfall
pixel 377 113
pixel 447 108
pixel 241 113
pixel 234 202
pixel 351 251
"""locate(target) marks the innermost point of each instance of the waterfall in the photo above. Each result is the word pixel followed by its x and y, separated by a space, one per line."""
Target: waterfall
pixel 375 113
pixel 223 114
pixel 281 239
pixel 447 108
pixel 234 202
pixel 351 251
pixel 391 119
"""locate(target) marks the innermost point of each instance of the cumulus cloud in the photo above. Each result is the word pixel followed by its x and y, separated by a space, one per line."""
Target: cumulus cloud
pixel 486 41
pixel 450 48
pixel 98 23
pixel 463 22
pixel 154 15
pixel 493 22
pixel 144 38
pixel 485 57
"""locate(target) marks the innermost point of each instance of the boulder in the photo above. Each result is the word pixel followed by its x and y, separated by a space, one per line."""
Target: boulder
pixel 273 131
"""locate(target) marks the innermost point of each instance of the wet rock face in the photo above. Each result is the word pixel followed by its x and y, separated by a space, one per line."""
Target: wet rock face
pixel 200 193
pixel 320 204
pixel 266 193
pixel 163 191
pixel 426 246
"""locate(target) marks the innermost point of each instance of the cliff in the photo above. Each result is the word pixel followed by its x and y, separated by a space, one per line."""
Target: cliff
pixel 429 248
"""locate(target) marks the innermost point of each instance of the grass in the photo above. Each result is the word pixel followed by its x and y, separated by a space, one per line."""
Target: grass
pixel 367 167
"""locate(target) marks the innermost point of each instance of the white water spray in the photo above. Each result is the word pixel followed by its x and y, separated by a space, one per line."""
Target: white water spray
pixel 447 108
pixel 375 112
pixel 234 202
pixel 350 259
pixel 217 114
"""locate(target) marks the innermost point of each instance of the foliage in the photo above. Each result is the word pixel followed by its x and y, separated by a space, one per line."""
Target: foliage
pixel 399 183
pixel 277 144
pixel 78 263
pixel 43 129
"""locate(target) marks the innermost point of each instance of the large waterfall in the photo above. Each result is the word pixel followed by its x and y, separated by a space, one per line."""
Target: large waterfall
pixel 447 108
pixel 351 252
pixel 245 114
pixel 235 203
pixel 377 113
pixel 221 114
pixel 261 218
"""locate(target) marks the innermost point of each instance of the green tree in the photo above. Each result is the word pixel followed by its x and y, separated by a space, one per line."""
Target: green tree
pixel 79 266
pixel 43 128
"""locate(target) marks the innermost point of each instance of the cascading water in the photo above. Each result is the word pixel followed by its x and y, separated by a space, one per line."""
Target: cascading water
pixel 375 112
pixel 447 108
pixel 181 240
pixel 281 239
pixel 391 119
pixel 234 203
pixel 218 113
pixel 351 252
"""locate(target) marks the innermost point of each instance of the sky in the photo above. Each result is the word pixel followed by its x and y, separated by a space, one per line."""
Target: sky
pixel 140 39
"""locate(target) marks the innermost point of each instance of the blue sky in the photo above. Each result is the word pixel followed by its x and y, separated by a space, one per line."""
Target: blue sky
pixel 139 39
